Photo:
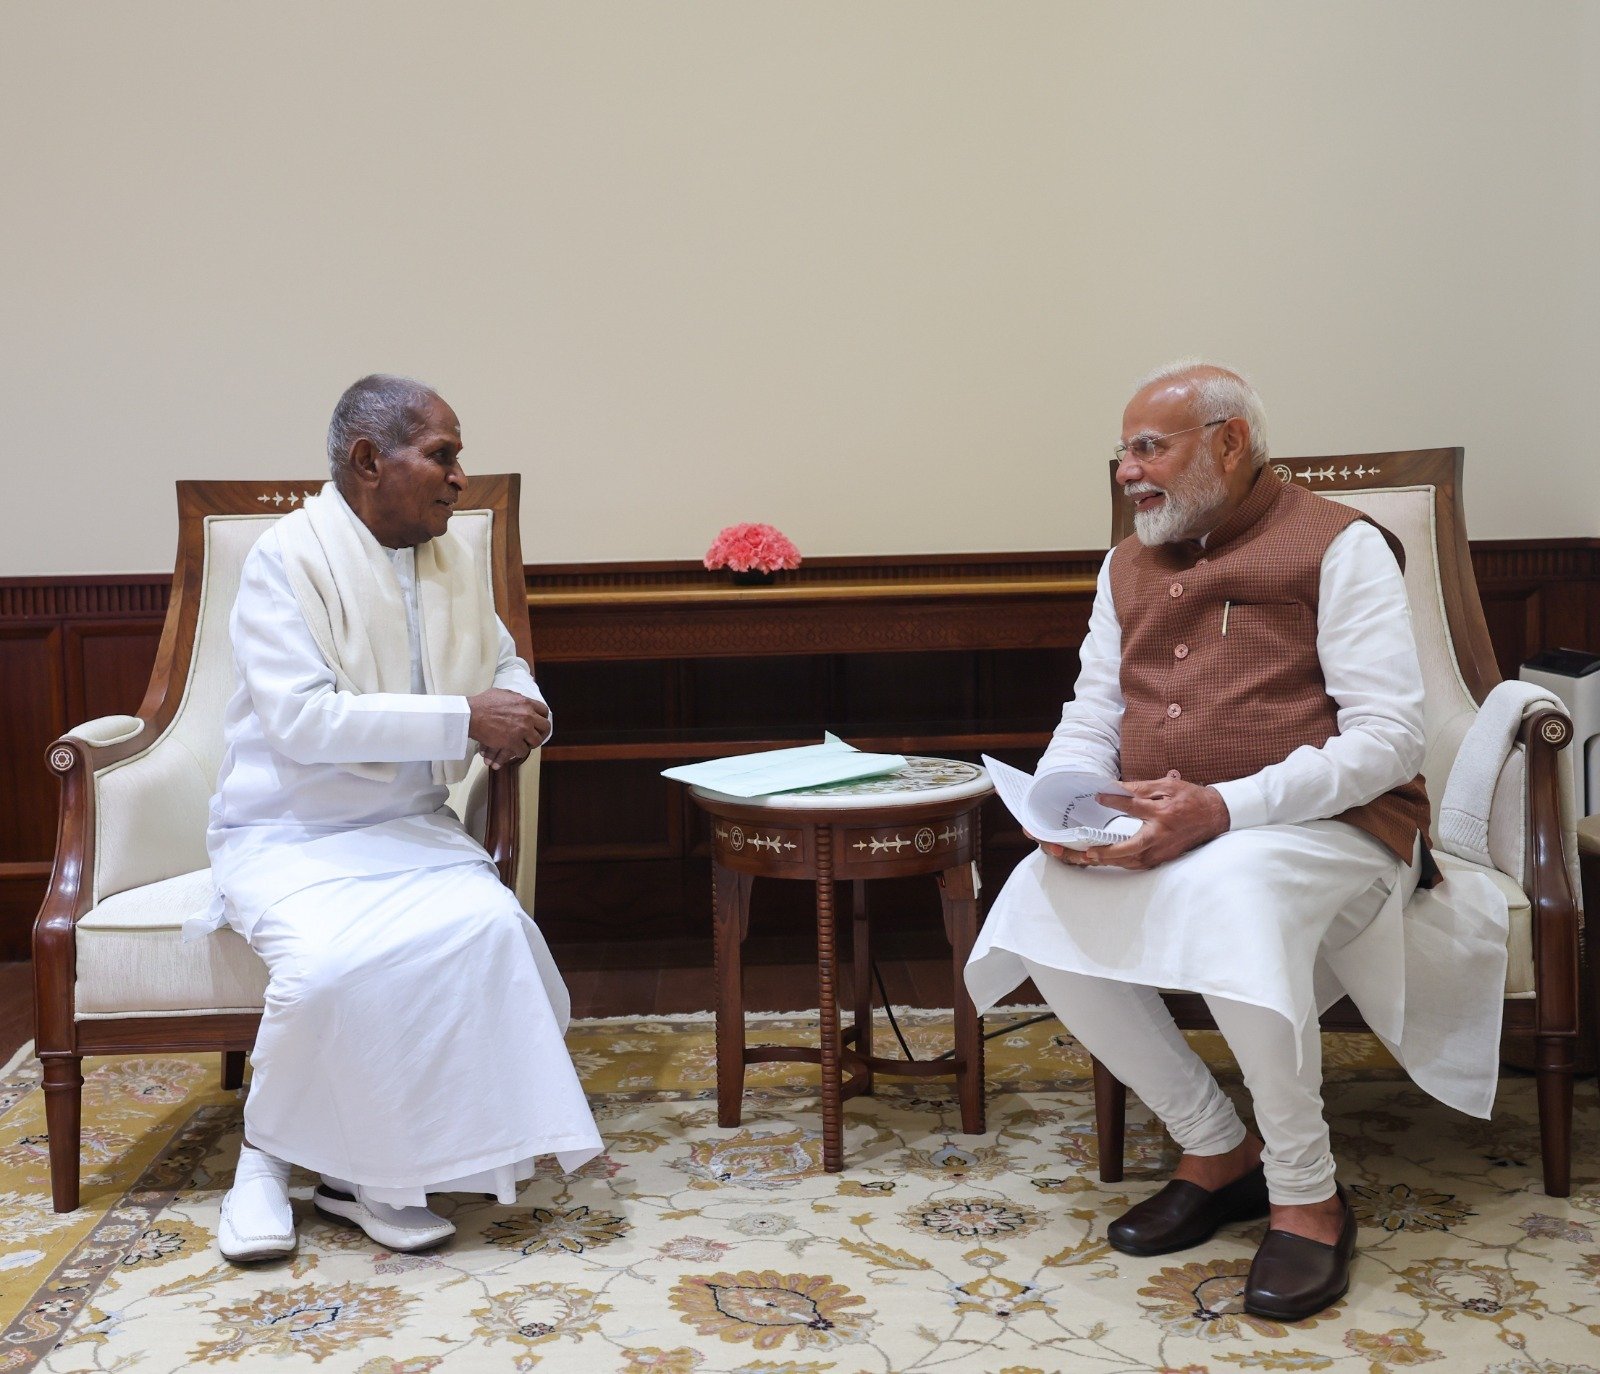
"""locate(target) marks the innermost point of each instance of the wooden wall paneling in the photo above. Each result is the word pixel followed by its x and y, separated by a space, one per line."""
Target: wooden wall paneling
pixel 607 809
pixel 107 665
pixel 614 697
pixel 740 694
pixel 928 689
pixel 1026 686
pixel 31 688
pixel 1515 618
pixel 651 663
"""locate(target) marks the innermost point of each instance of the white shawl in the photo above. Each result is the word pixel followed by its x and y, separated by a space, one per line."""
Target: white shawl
pixel 348 592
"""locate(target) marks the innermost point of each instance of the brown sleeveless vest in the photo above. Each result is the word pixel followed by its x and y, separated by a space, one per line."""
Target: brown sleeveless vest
pixel 1219 706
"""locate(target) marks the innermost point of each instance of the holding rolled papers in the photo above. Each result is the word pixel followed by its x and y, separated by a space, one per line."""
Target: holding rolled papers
pixel 1062 807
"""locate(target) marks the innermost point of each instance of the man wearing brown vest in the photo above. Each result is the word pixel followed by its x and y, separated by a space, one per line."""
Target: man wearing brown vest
pixel 1251 676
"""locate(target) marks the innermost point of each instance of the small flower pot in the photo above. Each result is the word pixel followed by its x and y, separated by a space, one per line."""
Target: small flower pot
pixel 755 577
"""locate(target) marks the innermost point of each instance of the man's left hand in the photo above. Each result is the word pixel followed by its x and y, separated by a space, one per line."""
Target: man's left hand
pixel 1178 816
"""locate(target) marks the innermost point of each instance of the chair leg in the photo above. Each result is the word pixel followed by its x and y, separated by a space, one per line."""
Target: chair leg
pixel 232 1069
pixel 1554 1073
pixel 63 1115
pixel 1110 1117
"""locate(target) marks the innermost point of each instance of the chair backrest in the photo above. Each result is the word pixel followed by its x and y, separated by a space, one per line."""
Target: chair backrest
pixel 180 748
pixel 1416 497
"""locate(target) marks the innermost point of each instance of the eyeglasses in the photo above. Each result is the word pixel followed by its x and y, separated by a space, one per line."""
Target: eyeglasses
pixel 1146 446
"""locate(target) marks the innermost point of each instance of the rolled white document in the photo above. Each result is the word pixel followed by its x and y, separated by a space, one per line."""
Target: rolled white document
pixel 1062 807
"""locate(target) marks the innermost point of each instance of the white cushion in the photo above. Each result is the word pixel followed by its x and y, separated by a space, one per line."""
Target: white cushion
pixel 1519 944
pixel 132 960
pixel 1409 513
pixel 151 808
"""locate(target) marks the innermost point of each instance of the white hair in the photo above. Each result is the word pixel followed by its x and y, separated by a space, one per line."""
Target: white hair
pixel 386 409
pixel 1220 395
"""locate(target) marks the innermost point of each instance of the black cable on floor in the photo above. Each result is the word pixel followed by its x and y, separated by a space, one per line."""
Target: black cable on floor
pixel 883 992
pixel 1006 1030
pixel 888 1011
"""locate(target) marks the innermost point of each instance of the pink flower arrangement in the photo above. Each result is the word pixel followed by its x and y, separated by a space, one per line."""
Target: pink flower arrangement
pixel 752 548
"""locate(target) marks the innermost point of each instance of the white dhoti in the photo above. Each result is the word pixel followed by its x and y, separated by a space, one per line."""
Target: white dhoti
pixel 412 1039
pixel 1285 918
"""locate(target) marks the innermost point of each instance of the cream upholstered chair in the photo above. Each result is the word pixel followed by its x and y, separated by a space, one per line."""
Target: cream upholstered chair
pixel 111 973
pixel 1416 497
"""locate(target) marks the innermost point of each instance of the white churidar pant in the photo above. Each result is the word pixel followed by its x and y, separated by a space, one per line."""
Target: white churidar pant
pixel 1127 1027
pixel 1285 917
pixel 1272 924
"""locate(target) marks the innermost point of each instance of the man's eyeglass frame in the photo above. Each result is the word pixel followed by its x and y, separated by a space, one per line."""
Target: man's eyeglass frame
pixel 1144 447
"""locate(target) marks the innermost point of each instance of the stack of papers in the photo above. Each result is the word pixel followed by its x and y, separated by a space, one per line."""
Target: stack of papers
pixel 1061 807
pixel 784 770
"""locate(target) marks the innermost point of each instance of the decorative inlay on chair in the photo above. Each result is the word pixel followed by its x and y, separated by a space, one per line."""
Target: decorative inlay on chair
pixel 1325 474
pixel 277 498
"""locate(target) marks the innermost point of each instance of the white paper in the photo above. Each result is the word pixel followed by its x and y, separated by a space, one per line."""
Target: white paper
pixel 1060 807
pixel 783 770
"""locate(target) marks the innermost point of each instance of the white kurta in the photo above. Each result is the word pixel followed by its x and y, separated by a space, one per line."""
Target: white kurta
pixel 1262 914
pixel 412 1039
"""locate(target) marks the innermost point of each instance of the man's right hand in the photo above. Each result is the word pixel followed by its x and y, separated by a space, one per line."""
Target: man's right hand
pixel 506 725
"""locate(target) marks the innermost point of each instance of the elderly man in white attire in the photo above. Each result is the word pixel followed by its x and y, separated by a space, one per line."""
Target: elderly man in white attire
pixel 1250 676
pixel 412 1037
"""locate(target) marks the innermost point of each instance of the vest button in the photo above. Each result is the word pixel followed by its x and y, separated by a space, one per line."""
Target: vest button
pixel 1182 651
pixel 1176 589
pixel 1174 711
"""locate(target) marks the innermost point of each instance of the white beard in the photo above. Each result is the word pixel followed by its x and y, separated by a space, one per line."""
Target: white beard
pixel 1194 496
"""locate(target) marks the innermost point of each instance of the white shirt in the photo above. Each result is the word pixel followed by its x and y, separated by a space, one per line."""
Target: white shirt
pixel 287 813
pixel 1369 663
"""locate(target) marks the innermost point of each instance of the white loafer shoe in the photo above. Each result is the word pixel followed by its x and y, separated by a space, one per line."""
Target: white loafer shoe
pixel 394 1228
pixel 256 1222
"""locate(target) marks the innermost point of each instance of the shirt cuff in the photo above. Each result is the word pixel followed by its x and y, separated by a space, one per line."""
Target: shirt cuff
pixel 457 719
pixel 1246 805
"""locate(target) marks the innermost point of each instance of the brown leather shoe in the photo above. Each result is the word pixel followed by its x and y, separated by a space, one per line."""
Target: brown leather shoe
pixel 1294 1277
pixel 1184 1214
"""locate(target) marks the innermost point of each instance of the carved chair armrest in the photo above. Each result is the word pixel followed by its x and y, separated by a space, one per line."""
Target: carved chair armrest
pixel 74 758
pixel 501 822
pixel 1552 892
pixel 105 731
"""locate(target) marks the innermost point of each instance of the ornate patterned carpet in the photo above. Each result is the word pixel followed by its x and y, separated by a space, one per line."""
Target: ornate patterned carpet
pixel 690 1248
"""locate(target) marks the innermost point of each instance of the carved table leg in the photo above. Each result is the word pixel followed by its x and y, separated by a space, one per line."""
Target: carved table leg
pixel 730 903
pixel 959 893
pixel 828 1008
pixel 861 967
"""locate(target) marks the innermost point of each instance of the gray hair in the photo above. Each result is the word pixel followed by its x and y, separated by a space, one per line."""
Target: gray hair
pixel 1220 394
pixel 386 409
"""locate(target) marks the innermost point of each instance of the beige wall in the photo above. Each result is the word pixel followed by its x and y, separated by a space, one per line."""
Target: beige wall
pixel 878 273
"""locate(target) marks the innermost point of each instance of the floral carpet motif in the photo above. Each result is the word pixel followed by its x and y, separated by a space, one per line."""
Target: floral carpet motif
pixel 691 1249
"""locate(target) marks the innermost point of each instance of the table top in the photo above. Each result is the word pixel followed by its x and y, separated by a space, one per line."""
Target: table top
pixel 918 780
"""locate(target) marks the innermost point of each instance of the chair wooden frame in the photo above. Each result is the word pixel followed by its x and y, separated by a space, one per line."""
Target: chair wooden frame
pixel 62 1039
pixel 1551 1015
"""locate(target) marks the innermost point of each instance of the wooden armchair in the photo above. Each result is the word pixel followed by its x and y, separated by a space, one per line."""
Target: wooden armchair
pixel 111 973
pixel 1416 496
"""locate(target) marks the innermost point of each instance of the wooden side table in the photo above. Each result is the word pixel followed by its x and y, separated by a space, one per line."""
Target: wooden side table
pixel 922 819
